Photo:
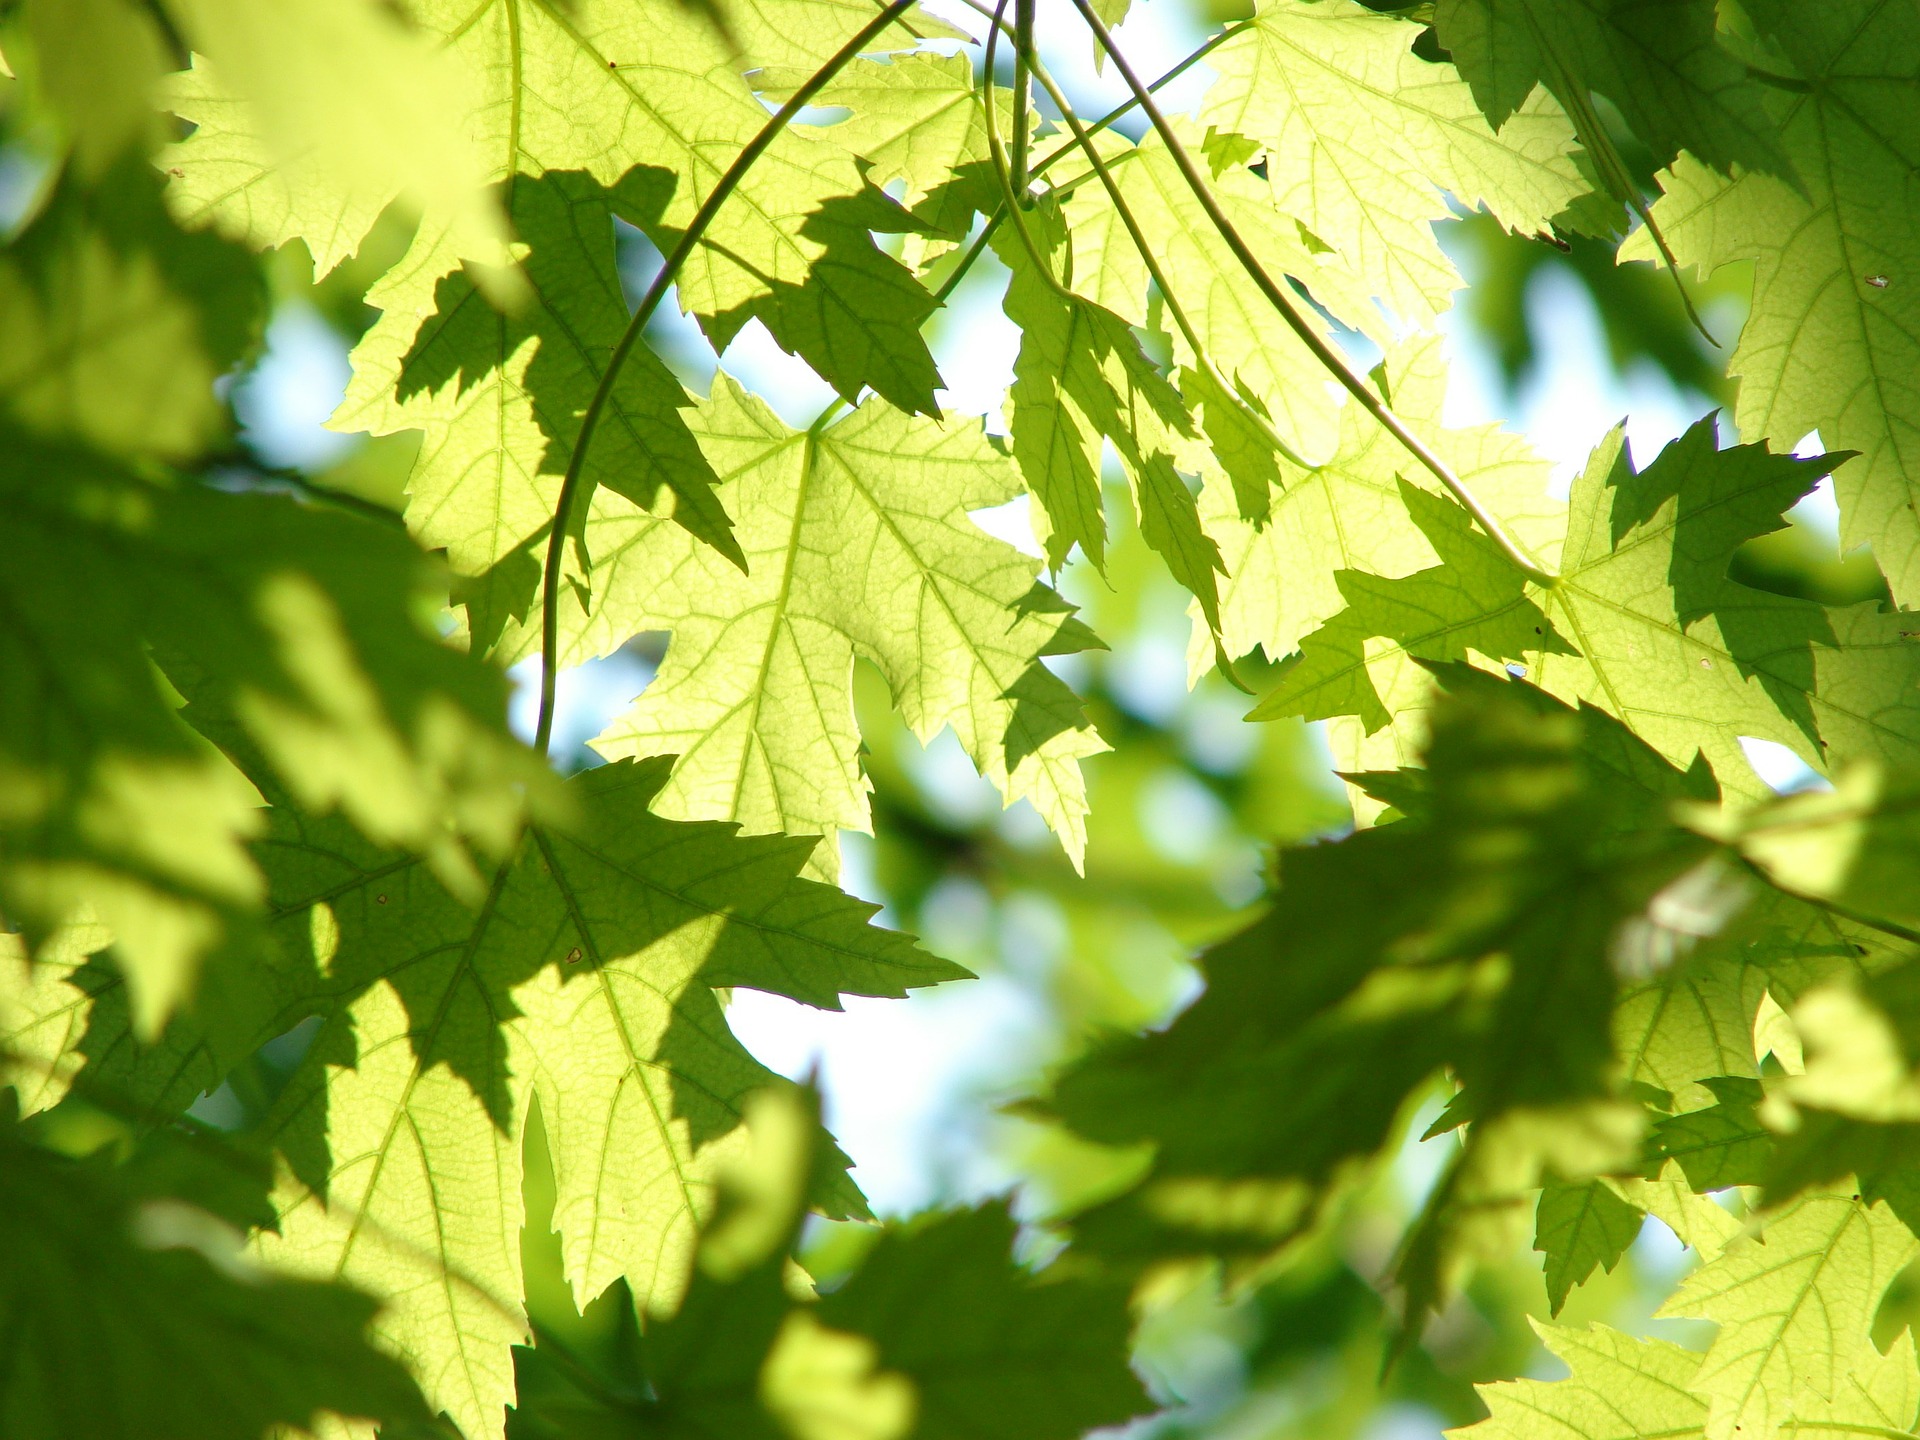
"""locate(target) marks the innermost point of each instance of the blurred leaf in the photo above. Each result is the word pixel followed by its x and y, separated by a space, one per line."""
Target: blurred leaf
pixel 130 1313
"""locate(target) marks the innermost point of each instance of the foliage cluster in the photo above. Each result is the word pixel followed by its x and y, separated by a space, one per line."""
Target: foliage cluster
pixel 267 840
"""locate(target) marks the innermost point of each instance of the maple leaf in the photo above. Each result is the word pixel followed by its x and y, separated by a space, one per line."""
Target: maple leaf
pixel 1642 605
pixel 1082 379
pixel 300 620
pixel 1621 1388
pixel 916 118
pixel 1722 1145
pixel 499 401
pixel 937 1334
pixel 1233 320
pixel 1829 340
pixel 1852 845
pixel 1793 1304
pixel 1691 1019
pixel 585 977
pixel 1663 65
pixel 99 64
pixel 1853 1111
pixel 990 1347
pixel 311 117
pixel 1577 1227
pixel 1362 140
pixel 1348 514
pixel 859 545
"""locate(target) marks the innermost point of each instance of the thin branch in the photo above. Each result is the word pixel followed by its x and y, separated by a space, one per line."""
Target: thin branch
pixel 1835 908
pixel 669 271
pixel 306 487
pixel 1194 57
pixel 1315 342
pixel 959 271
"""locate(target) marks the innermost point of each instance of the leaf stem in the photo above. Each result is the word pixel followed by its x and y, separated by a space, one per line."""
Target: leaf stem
pixel 997 151
pixel 669 271
pixel 959 271
pixel 1084 140
pixel 1315 342
pixel 1591 131
pixel 1779 82
pixel 1022 98
pixel 1045 162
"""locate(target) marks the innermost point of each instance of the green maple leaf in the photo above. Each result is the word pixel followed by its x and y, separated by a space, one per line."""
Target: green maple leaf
pixel 1643 607
pixel 586 977
pixel 604 88
pixel 1473 601
pixel 1675 83
pixel 43 1018
pixel 918 119
pixel 1692 1018
pixel 991 1348
pixel 300 620
pixel 858 544
pixel 1853 845
pixel 1829 340
pixel 1853 1110
pixel 1825 1149
pixel 499 400
pixel 1723 1145
pixel 99 63
pixel 1244 339
pixel 1621 1388
pixel 125 1318
pixel 313 116
pixel 116 323
pixel 629 98
pixel 1362 140
pixel 1082 379
pixel 1349 511
pixel 1792 1311
pixel 1580 1226
pixel 801 34
pixel 598 88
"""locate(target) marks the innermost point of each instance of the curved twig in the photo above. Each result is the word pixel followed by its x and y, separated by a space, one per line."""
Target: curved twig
pixel 669 271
